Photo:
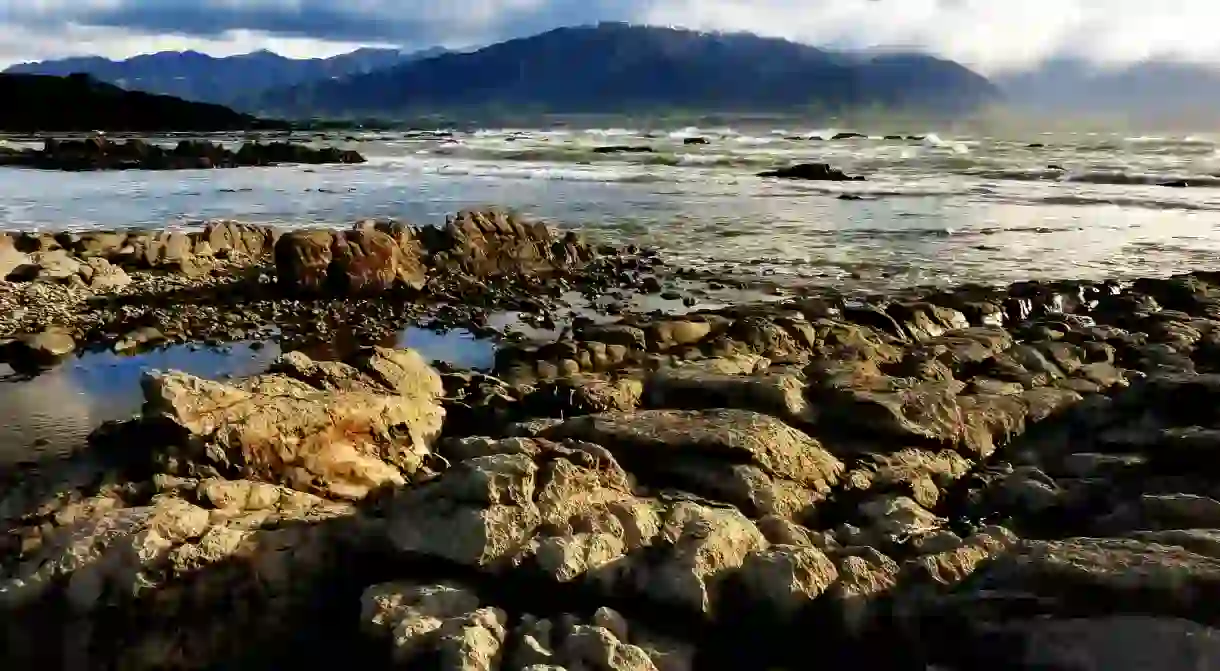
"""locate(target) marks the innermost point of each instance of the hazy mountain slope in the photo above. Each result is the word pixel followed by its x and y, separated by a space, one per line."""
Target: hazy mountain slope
pixel 1149 89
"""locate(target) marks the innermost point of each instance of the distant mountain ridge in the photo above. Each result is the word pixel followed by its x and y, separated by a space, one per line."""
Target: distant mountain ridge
pixel 1147 90
pixel 610 67
pixel 620 67
pixel 224 80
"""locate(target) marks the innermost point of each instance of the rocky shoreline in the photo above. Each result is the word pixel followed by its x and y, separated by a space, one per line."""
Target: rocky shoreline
pixel 230 281
pixel 1013 478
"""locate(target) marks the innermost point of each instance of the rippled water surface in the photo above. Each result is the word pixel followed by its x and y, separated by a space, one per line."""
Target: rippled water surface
pixel 933 209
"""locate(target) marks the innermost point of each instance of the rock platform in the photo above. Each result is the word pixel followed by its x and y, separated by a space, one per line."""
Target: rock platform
pixel 1014 478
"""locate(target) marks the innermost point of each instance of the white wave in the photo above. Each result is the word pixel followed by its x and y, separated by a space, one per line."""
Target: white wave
pixel 541 172
pixel 682 134
pixel 935 141
pixel 612 132
pixel 754 141
pixel 704 159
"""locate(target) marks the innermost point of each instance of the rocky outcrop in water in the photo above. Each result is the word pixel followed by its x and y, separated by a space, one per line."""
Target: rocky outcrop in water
pixel 1010 478
pixel 811 171
pixel 99 153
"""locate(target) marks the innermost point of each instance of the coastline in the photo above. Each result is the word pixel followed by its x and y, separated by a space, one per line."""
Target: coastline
pixel 964 477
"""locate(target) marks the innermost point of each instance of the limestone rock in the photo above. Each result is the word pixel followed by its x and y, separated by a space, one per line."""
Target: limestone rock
pixel 419 619
pixel 895 519
pixel 706 546
pixel 777 448
pixel 1135 576
pixel 10 258
pixel 106 277
pixel 692 387
pixel 338 444
pixel 477 514
pixel 782 580
pixel 302 260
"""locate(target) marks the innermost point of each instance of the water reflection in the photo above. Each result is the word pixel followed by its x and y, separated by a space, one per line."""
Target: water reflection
pixel 52 413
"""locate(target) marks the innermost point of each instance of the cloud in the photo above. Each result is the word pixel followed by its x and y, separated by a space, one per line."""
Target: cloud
pixel 988 34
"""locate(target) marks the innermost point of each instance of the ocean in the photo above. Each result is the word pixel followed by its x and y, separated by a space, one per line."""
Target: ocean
pixel 936 208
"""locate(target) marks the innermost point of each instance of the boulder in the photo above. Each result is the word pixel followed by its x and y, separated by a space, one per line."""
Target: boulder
pixel 364 260
pixel 302 260
pixel 52 266
pixel 733 435
pixel 492 243
pixel 694 387
pixel 338 444
pixel 83 589
pixel 40 349
pixel 10 258
pixel 104 276
pixel 440 620
pixel 786 579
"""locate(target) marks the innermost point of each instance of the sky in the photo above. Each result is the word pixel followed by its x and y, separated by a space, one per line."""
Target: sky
pixel 990 35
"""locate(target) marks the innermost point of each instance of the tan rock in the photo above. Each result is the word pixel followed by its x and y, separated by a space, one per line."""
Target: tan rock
pixel 338 444
pixel 707 545
pixel 775 447
pixel 783 579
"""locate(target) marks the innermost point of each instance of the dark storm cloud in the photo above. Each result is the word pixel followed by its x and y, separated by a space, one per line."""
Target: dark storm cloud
pixel 401 21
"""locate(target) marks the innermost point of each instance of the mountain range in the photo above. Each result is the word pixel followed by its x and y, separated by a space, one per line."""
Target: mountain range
pixel 610 67
pixel 229 80
pixel 1153 90
pixel 615 67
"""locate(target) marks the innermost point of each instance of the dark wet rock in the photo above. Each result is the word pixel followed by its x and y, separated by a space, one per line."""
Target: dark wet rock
pixel 39 349
pixel 695 140
pixel 1094 578
pixel 99 153
pixel 811 171
pixel 624 149
pixel 848 135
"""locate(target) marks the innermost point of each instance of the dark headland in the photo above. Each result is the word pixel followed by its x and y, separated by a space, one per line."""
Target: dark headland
pixel 1015 477
pixel 79 104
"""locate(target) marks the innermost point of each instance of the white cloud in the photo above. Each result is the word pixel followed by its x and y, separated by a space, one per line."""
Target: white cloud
pixel 23 44
pixel 990 35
